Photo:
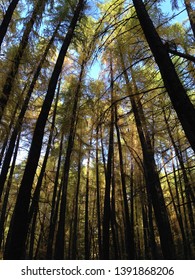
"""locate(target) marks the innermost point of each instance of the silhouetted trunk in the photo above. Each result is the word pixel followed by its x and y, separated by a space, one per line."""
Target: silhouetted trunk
pixel 7 88
pixel 54 206
pixel 151 175
pixel 17 129
pixel 98 196
pixel 60 242
pixel 190 199
pixel 128 227
pixel 6 196
pixel 179 218
pixel 181 205
pixel 191 13
pixel 6 19
pixel 5 142
pixel 17 234
pixel 179 98
pixel 107 210
pixel 76 209
pixel 152 240
pixel 36 194
pixel 87 247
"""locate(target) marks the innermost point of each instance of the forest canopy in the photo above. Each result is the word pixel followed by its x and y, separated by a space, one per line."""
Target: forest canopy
pixel 97 129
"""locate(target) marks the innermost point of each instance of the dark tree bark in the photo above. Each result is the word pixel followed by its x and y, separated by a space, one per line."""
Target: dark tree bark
pixel 98 196
pixel 6 20
pixel 60 242
pixel 191 14
pixel 87 248
pixel 151 175
pixel 6 196
pixel 54 206
pixel 7 88
pixel 17 128
pixel 179 217
pixel 16 237
pixel 5 142
pixel 76 210
pixel 181 205
pixel 107 206
pixel 129 236
pixel 36 194
pixel 179 98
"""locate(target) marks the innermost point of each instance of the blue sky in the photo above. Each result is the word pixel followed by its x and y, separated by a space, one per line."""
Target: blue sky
pixel 167 9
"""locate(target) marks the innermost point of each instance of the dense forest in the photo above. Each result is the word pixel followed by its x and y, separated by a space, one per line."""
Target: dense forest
pixel 97 129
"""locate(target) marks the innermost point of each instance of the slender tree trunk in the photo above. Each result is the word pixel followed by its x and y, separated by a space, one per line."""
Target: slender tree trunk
pixel 6 196
pixel 5 142
pixel 107 209
pixel 54 206
pixel 7 88
pixel 179 203
pixel 87 247
pixel 6 20
pixel 60 242
pixel 188 190
pixel 191 14
pixel 179 218
pixel 76 210
pixel 36 194
pixel 98 196
pixel 16 237
pixel 9 152
pixel 179 98
pixel 151 176
pixel 128 226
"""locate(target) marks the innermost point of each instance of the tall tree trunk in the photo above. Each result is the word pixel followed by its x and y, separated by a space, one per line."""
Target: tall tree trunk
pixel 151 175
pixel 7 88
pixel 128 226
pixel 17 128
pixel 36 194
pixel 5 142
pixel 98 196
pixel 179 98
pixel 6 20
pixel 6 196
pixel 190 199
pixel 60 242
pixel 191 14
pixel 107 209
pixel 76 210
pixel 179 218
pixel 16 237
pixel 188 189
pixel 180 203
pixel 54 206
pixel 87 247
